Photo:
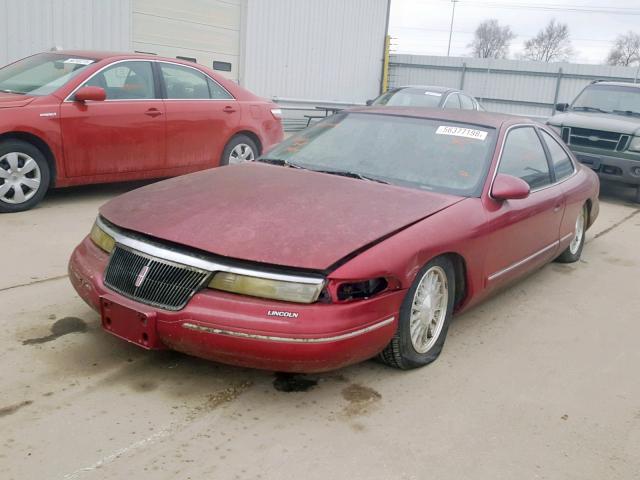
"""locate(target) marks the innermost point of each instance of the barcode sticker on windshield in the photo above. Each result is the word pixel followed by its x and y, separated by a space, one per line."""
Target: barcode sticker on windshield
pixel 462 132
pixel 79 61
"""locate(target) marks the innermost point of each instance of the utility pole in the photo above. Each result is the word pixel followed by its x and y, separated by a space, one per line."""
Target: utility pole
pixel 453 14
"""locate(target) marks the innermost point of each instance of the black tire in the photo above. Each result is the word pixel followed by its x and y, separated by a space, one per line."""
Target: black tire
pixel 23 149
pixel 637 197
pixel 568 256
pixel 233 143
pixel 400 353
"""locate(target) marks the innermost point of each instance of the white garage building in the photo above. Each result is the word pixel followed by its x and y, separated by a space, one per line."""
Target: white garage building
pixel 299 51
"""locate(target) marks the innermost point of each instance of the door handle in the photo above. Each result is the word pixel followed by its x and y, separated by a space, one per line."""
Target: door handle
pixel 153 112
pixel 228 109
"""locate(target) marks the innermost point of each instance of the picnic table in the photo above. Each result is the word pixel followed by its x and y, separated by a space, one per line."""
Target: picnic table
pixel 327 111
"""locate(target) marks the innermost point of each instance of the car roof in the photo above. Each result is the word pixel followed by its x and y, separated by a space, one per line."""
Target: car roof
pixel 487 119
pixel 104 55
pixel 617 84
pixel 431 88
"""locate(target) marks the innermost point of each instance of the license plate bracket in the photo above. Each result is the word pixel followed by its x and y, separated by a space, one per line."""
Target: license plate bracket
pixel 128 323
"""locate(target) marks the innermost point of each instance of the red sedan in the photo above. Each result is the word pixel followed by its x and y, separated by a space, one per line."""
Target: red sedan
pixel 359 237
pixel 74 118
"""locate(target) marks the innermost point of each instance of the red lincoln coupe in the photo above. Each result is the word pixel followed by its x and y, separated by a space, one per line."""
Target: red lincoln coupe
pixel 359 237
pixel 73 118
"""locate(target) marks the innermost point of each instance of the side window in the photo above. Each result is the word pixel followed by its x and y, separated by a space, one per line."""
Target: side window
pixel 217 91
pixel 452 102
pixel 125 81
pixel 184 83
pixel 562 165
pixel 524 157
pixel 467 103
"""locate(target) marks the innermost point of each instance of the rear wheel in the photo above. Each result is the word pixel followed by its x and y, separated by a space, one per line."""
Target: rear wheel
pixel 240 149
pixel 574 250
pixel 424 317
pixel 24 176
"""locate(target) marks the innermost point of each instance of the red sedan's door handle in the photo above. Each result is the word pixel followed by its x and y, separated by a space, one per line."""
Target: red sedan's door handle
pixel 228 109
pixel 153 112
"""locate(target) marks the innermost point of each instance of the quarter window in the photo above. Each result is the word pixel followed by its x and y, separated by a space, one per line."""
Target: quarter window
pixel 524 157
pixel 217 91
pixel 125 81
pixel 562 164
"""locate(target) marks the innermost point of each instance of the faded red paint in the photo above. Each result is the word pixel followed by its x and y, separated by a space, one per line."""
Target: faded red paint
pixel 301 219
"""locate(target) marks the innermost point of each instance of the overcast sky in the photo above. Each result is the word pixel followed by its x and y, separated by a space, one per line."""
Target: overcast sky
pixel 422 26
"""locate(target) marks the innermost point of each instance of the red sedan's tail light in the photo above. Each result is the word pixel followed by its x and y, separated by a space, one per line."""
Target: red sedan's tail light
pixel 277 113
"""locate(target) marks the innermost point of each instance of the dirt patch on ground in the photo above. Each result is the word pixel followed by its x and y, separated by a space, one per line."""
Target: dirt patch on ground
pixel 360 399
pixel 4 411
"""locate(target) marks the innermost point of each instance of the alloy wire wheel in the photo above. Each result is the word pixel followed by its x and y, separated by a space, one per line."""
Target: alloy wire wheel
pixel 424 317
pixel 429 309
pixel 574 251
pixel 241 153
pixel 576 242
pixel 20 176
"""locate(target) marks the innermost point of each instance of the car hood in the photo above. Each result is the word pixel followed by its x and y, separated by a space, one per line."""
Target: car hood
pixel 273 215
pixel 598 121
pixel 8 100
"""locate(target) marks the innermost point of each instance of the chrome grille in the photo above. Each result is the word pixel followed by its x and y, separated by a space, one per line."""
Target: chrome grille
pixel 585 137
pixel 166 285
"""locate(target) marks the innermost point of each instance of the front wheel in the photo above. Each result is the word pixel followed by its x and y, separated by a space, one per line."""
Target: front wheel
pixel 573 252
pixel 424 317
pixel 240 149
pixel 24 176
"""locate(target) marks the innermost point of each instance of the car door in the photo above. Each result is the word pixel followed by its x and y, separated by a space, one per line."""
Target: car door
pixel 124 133
pixel 524 232
pixel 201 116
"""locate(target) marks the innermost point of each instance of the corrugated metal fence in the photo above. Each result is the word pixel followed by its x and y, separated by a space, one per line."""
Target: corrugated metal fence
pixel 506 86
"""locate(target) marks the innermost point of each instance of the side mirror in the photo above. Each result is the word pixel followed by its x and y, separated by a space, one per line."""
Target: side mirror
pixel 94 94
pixel 370 102
pixel 562 107
pixel 508 187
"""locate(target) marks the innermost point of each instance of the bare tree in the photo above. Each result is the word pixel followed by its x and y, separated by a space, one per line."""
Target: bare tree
pixel 626 50
pixel 551 44
pixel 491 40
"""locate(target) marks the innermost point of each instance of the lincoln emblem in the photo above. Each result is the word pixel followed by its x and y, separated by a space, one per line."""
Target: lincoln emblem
pixel 142 275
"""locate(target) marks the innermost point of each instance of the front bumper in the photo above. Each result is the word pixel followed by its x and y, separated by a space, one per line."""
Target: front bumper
pixel 617 169
pixel 237 330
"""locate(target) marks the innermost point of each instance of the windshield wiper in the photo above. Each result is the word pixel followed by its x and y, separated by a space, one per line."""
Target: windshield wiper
pixel 277 161
pixel 347 173
pixel 4 90
pixel 590 109
pixel 627 112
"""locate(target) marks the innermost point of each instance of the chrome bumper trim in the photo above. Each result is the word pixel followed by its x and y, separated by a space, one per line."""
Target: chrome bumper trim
pixel 184 258
pixel 271 338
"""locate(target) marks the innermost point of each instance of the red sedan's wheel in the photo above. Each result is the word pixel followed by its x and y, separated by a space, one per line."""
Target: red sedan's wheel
pixel 424 317
pixel 240 149
pixel 24 176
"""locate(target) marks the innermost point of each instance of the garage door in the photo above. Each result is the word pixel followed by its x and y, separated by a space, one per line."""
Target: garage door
pixel 205 31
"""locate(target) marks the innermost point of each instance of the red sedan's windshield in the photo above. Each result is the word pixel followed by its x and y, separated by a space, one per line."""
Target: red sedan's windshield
pixel 436 155
pixel 41 74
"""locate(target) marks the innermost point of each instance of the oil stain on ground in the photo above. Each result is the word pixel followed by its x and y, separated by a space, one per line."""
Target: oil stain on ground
pixel 360 399
pixel 4 411
pixel 289 382
pixel 64 326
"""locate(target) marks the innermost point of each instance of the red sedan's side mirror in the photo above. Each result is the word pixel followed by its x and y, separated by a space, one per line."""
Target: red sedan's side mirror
pixel 95 94
pixel 508 187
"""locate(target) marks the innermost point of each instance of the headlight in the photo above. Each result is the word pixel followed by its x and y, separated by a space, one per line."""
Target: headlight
pixel 102 240
pixel 634 146
pixel 555 128
pixel 266 288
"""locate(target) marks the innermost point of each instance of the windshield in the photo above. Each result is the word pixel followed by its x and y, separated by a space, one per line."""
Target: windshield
pixel 410 97
pixel 437 155
pixel 41 74
pixel 609 99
